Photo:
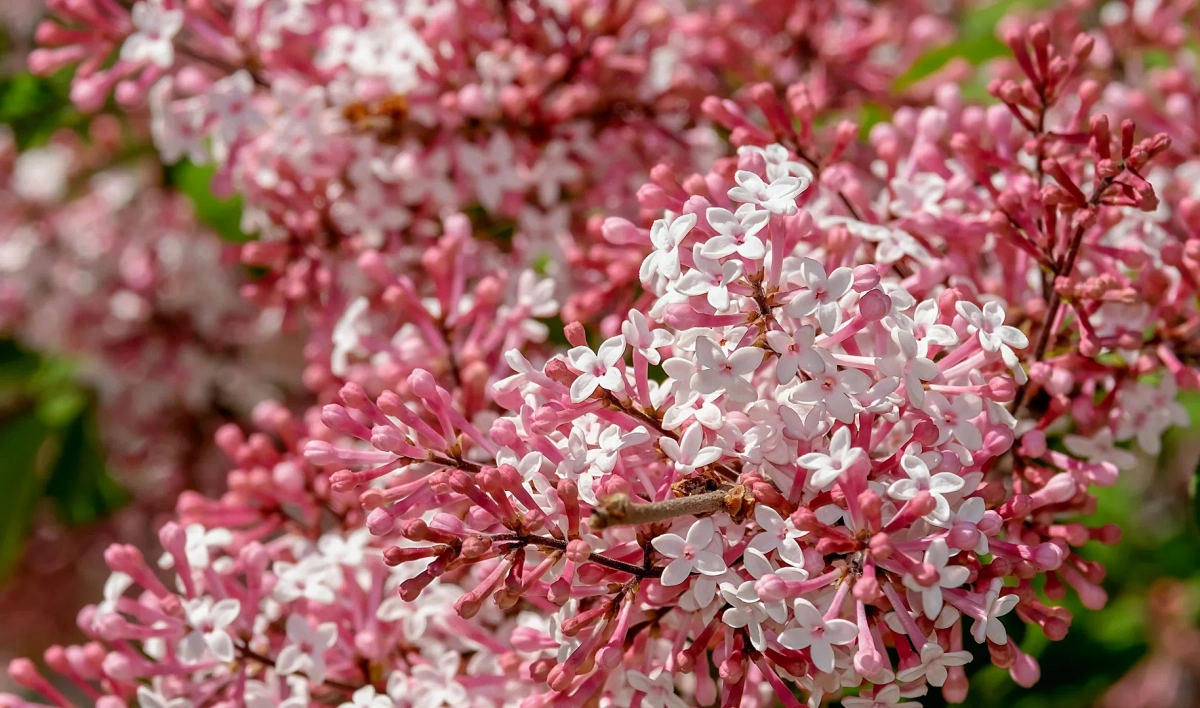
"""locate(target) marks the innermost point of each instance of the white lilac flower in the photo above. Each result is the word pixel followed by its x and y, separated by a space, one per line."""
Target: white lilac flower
pixel 665 236
pixel 813 632
pixel 828 468
pixel 599 368
pixel 689 554
pixel 821 294
pixel 209 620
pixel 952 576
pixel 688 453
pixel 777 197
pixel 306 647
pixel 917 466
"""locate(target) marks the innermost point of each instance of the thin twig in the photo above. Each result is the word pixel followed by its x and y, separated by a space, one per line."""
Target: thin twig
pixel 549 542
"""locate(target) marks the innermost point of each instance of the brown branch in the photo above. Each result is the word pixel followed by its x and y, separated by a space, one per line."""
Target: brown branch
pixel 619 509
pixel 549 542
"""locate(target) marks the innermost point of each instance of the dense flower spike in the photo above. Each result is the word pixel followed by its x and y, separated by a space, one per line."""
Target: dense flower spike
pixel 832 418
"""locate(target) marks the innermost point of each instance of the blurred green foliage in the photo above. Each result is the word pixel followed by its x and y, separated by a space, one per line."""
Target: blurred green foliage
pixel 51 455
pixel 224 216
pixel 35 107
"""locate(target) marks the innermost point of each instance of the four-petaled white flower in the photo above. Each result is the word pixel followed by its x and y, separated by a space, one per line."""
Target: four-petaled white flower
pixel 995 606
pixel 919 479
pixel 208 620
pixel 536 294
pixel 910 364
pixel 745 610
pixel 937 555
pixel 778 534
pixel 198 542
pixel 795 353
pixel 598 368
pixel 702 407
pixel 777 197
pixel 687 454
pixel 157 27
pixel 153 698
pixel 821 294
pixel 436 685
pixel 644 340
pixel 305 651
pixel 954 418
pixel 817 634
pixel 658 690
pixel 827 468
pixel 1100 448
pixel 836 389
pixel 614 439
pixel 231 102
pixel 885 697
pixel 737 232
pixel 779 162
pixel 689 554
pixel 367 697
pixel 994 335
pixel 665 236
pixel 934 662
pixel 710 278
pixel 726 371
pixel 491 167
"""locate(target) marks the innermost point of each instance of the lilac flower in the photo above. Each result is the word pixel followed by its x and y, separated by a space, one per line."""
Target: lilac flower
pixel 995 606
pixel 884 697
pixel 689 554
pixel 828 468
pixel 778 534
pixel 796 353
pixel 157 27
pixel 916 466
pixel 306 648
pixel 777 197
pixel 737 232
pixel 687 454
pixel 1100 448
pixel 643 339
pixel 491 168
pixel 952 576
pixel 208 620
pixel 953 418
pixel 818 635
pixel 911 364
pixel 599 368
pixel 821 294
pixel 779 162
pixel 834 389
pixel 745 611
pixel 659 689
pixel 934 662
pixel 665 236
pixel 367 697
pixel 994 335
pixel 726 372
pixel 710 278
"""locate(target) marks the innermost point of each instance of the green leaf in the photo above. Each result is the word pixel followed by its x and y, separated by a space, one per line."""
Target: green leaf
pixel 977 41
pixel 36 106
pixel 28 450
pixel 79 484
pixel 221 215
